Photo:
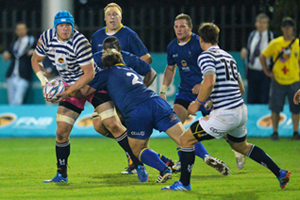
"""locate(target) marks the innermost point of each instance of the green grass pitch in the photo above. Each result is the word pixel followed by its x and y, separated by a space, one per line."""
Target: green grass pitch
pixel 95 165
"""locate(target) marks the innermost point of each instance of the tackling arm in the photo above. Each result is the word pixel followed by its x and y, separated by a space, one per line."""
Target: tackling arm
pixel 150 77
pixel 147 58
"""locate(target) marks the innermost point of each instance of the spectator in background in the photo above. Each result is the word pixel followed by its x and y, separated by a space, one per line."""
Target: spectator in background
pixel 285 74
pixel 258 82
pixel 19 72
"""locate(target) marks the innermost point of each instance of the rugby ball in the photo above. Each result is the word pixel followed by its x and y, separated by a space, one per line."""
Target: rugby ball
pixel 53 88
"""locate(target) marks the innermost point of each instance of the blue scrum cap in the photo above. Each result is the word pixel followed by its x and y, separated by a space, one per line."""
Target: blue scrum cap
pixel 64 17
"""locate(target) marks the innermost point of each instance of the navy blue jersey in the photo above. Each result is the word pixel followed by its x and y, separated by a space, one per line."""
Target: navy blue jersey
pixel 124 86
pixel 185 57
pixel 129 41
pixel 137 64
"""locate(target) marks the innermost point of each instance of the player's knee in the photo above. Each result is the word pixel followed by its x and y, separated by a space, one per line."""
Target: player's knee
pixel 113 125
pixel 187 139
pixel 62 135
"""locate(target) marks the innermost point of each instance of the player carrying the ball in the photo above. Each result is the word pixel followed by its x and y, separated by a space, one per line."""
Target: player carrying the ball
pixel 71 53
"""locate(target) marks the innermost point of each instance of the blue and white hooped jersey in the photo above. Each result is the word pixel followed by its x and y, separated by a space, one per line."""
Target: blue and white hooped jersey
pixel 67 56
pixel 226 92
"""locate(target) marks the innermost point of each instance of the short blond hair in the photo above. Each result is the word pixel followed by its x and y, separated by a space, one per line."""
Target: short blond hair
pixel 186 17
pixel 113 5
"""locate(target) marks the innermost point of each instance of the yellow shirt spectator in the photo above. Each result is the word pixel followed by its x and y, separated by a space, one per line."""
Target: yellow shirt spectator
pixel 286 68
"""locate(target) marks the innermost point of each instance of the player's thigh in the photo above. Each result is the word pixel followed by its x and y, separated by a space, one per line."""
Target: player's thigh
pixel 175 132
pixel 181 112
pixel 195 133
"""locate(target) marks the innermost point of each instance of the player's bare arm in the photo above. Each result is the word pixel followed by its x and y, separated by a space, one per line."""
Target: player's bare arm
pixel 36 63
pixel 168 79
pixel 147 58
pixel 196 88
pixel 205 91
pixel 88 75
pixel 150 77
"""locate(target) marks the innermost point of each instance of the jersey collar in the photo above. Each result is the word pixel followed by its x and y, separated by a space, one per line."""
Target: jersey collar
pixel 116 30
pixel 186 41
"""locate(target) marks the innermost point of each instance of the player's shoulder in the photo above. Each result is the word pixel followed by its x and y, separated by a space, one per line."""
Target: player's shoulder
pixel 172 44
pixel 48 34
pixel 127 30
pixel 195 37
pixel 99 32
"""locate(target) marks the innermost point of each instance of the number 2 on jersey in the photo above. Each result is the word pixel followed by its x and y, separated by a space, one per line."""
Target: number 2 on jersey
pixel 233 73
pixel 135 79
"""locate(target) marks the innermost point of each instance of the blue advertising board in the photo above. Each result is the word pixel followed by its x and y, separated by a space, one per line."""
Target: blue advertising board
pixel 39 121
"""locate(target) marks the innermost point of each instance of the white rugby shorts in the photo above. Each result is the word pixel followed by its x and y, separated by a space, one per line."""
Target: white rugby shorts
pixel 221 122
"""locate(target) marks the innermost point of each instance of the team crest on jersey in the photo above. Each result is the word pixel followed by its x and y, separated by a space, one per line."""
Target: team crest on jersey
pixel 183 62
pixel 40 42
pixel 286 54
pixel 60 60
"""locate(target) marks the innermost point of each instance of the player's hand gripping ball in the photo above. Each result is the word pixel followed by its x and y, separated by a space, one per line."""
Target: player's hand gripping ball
pixel 53 88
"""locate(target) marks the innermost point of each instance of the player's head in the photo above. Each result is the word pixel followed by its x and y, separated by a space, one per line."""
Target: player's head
pixel 183 27
pixel 209 33
pixel 262 22
pixel 113 16
pixel 66 19
pixel 111 42
pixel 21 29
pixel 111 57
pixel 287 26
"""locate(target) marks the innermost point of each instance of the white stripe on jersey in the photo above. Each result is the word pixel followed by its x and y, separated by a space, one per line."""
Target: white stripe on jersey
pixel 226 93
pixel 67 56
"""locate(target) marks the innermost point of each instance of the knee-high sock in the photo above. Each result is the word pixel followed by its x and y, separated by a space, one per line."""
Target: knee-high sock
pixel 62 154
pixel 179 153
pixel 187 162
pixel 258 155
pixel 200 150
pixel 150 157
pixel 123 142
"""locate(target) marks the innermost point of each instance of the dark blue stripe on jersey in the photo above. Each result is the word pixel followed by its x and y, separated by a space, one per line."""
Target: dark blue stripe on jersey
pixel 218 99
pixel 226 85
pixel 232 107
pixel 237 92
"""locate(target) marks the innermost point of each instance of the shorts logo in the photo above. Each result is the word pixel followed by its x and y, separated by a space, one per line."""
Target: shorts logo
pixel 173 117
pixel 60 60
pixel 7 119
pixel 140 133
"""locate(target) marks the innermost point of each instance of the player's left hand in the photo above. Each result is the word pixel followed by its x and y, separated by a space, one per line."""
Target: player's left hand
pixel 196 88
pixel 62 96
pixel 193 108
pixel 297 97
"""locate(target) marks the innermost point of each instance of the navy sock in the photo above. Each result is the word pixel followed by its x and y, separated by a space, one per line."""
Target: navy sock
pixel 62 154
pixel 123 142
pixel 187 162
pixel 258 155
pixel 163 158
pixel 150 157
pixel 179 153
pixel 200 150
